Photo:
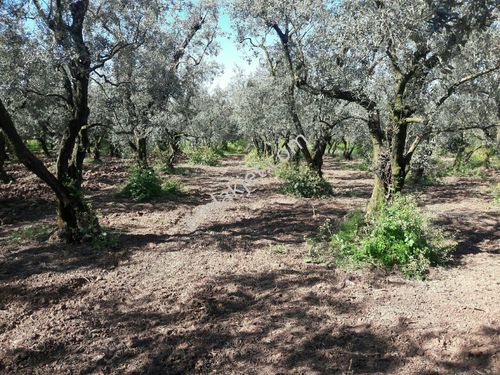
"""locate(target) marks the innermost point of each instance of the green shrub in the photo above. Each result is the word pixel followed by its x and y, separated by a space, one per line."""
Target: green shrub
pixel 203 156
pixel 303 182
pixel 400 235
pixel 144 184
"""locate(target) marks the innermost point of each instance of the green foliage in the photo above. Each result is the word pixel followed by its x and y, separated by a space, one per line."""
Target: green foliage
pixel 400 235
pixel 171 188
pixel 278 249
pixel 144 184
pixel 303 182
pixel 28 233
pixel 34 146
pixel 105 240
pixel 363 166
pixel 203 156
pixel 477 165
pixel 465 170
pixel 237 147
pixel 495 192
pixel 254 160
pixel 88 224
pixel 430 178
pixel 318 248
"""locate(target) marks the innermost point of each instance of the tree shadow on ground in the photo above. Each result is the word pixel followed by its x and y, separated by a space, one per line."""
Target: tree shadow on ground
pixel 475 236
pixel 245 324
pixel 452 192
pixel 18 211
pixel 29 260
pixel 480 354
pixel 284 223
pixel 287 321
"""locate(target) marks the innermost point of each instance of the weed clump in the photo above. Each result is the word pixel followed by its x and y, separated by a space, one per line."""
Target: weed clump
pixel 399 236
pixel 303 182
pixel 144 184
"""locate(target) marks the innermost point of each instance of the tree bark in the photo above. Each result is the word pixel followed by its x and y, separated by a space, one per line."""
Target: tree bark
pixel 114 152
pixel 170 149
pixel 348 149
pixel 42 139
pixel 418 175
pixel 380 165
pixel 97 149
pixel 332 148
pixel 319 153
pixel 69 205
pixel 142 151
pixel 4 177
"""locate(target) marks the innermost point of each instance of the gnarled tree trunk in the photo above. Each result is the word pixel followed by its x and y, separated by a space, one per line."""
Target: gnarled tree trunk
pixel 142 151
pixel 4 177
pixel 74 217
pixel 71 209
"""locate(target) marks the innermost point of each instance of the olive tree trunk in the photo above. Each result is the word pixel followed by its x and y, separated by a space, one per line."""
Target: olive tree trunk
pixel 70 205
pixel 4 177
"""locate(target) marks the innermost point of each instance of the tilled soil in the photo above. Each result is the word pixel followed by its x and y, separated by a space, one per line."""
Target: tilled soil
pixel 197 287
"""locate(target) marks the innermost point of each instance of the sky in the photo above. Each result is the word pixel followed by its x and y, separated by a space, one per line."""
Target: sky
pixel 230 57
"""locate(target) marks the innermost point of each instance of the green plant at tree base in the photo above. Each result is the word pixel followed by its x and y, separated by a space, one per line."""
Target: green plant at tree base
pixel 400 235
pixel 203 156
pixel 105 240
pixel 28 233
pixel 144 184
pixel 302 181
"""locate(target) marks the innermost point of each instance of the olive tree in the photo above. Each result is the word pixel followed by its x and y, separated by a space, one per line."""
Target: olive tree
pixel 400 62
pixel 76 39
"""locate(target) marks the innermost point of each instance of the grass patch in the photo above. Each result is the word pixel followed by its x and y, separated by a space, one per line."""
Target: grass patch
pixel 477 165
pixel 278 249
pixel 34 146
pixel 38 233
pixel 178 171
pixel 494 190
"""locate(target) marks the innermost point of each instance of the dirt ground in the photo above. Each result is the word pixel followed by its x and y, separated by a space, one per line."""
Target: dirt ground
pixel 194 287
